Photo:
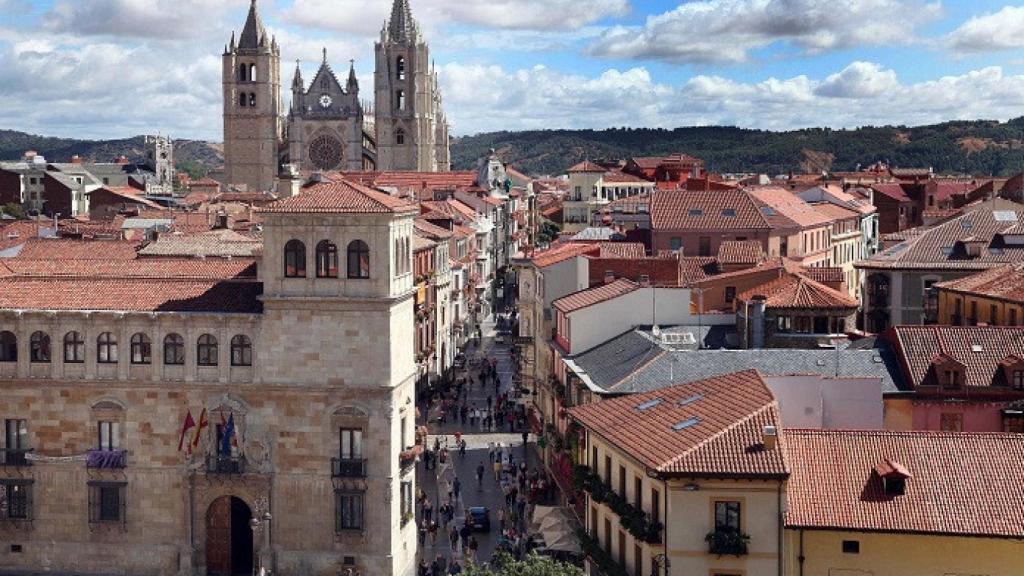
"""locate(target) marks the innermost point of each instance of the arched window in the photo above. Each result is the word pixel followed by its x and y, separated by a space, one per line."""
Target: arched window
pixel 326 259
pixel 106 348
pixel 408 255
pixel 400 100
pixel 39 347
pixel 206 350
pixel 174 350
pixel 252 100
pixel 243 100
pixel 241 351
pixel 400 67
pixel 242 71
pixel 8 347
pixel 142 349
pixel 294 259
pixel 252 72
pixel 74 348
pixel 400 137
pixel 358 260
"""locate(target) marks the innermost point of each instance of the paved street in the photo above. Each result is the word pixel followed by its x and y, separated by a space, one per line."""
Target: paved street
pixel 489 492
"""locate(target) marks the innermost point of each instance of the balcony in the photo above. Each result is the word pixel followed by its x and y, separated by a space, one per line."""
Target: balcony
pixel 106 459
pixel 727 543
pixel 407 460
pixel 15 457
pixel 348 467
pixel 216 464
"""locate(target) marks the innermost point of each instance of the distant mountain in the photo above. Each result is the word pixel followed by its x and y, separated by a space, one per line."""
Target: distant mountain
pixel 978 147
pixel 974 147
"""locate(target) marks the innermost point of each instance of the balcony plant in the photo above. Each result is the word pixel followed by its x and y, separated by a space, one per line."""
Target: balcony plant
pixel 731 542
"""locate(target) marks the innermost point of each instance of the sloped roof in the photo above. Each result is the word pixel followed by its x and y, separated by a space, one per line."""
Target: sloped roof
pixel 834 212
pixel 740 252
pixel 220 243
pixel 978 348
pixel 705 210
pixel 130 295
pixel 1002 282
pixel 794 291
pixel 341 197
pixel 127 194
pixel 142 268
pixel 791 206
pixel 622 250
pixel 563 252
pixel 891 190
pixel 969 484
pixel 589 297
pixel 710 427
pixel 67 249
pixel 586 166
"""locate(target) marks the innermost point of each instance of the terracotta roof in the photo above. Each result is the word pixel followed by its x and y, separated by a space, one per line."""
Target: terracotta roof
pixel 693 269
pixel 65 249
pixel 420 243
pixel 596 295
pixel 791 206
pixel 453 209
pixel 969 484
pixel 130 295
pixel 659 271
pixel 586 166
pixel 979 349
pixel 910 172
pixel 711 427
pixel 945 189
pixel 795 291
pixel 562 252
pixel 892 190
pixel 340 197
pixel 639 204
pixel 623 250
pixel 830 275
pixel 149 268
pixel 834 212
pixel 740 252
pixel 1002 282
pixel 430 230
pixel 620 177
pixel 18 232
pixel 700 210
pixel 404 181
pixel 126 193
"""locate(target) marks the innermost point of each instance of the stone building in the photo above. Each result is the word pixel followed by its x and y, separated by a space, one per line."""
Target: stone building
pixel 327 126
pixel 296 369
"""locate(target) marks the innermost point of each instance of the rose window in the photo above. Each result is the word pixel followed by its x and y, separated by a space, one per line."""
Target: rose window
pixel 325 152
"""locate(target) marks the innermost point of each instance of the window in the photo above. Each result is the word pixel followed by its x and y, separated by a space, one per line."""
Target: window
pixel 348 514
pixel 206 350
pixel 107 501
pixel 241 351
pixel 406 502
pixel 951 379
pixel 894 485
pixel 74 348
pixel 622 480
pixel 608 471
pixel 638 493
pixel 16 500
pixel 243 70
pixel 400 68
pixel 400 100
pixel 704 246
pixel 294 259
pixel 784 324
pixel 638 560
pixel 16 442
pixel 727 516
pixel 174 350
pixel 730 294
pixel 106 348
pixel 1012 321
pixel 358 260
pixel 252 100
pixel 142 349
pixel 951 422
pixel 851 547
pixel 351 444
pixel 993 315
pixel 593 458
pixel 675 243
pixel 39 347
pixel 108 435
pixel 326 259
pixel 400 137
pixel 655 505
pixel 8 347
pixel 243 100
pixel 1018 380
pixel 252 72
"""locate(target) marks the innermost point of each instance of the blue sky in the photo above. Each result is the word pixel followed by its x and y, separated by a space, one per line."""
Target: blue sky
pixel 115 68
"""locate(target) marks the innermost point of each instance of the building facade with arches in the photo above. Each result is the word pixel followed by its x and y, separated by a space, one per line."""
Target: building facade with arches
pixel 151 425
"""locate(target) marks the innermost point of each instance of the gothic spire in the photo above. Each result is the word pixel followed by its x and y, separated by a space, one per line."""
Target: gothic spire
pixel 402 26
pixel 297 82
pixel 254 35
pixel 353 84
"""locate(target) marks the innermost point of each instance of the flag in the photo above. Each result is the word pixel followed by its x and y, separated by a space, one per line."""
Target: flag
pixel 227 436
pixel 189 423
pixel 203 423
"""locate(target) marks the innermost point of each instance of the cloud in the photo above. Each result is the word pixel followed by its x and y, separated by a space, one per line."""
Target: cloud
pixel 488 97
pixel 1002 30
pixel 139 18
pixel 710 31
pixel 858 80
pixel 549 15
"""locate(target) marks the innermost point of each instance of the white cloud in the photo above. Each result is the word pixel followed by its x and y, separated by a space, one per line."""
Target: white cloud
pixel 487 97
pixel 139 18
pixel 858 80
pixel 505 14
pixel 708 31
pixel 1001 30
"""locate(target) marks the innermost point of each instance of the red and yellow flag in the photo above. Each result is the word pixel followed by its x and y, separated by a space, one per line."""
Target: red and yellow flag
pixel 203 423
pixel 189 423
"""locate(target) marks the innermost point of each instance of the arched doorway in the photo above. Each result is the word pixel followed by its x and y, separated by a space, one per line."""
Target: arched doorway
pixel 229 537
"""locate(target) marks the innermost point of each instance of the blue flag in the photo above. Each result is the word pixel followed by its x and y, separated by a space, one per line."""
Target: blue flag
pixel 225 438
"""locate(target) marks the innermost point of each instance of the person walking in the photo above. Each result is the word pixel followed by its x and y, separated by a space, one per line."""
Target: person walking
pixel 480 476
pixel 456 488
pixel 453 538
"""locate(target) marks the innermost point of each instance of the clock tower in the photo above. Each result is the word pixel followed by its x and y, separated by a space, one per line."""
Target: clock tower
pixel 252 106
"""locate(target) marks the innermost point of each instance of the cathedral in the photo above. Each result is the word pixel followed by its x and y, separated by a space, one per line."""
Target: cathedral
pixel 327 126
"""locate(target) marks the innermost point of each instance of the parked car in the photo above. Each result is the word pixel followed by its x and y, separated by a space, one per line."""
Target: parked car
pixel 480 519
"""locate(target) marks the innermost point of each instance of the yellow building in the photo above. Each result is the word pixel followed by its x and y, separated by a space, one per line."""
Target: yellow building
pixel 691 476
pixel 994 297
pixel 884 503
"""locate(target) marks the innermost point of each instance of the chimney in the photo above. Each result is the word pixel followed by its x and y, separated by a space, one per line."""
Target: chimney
pixel 756 322
pixel 645 280
pixel 76 159
pixel 609 276
pixel 770 438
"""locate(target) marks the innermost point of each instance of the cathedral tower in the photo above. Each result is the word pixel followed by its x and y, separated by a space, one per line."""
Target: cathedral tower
pixel 408 115
pixel 252 106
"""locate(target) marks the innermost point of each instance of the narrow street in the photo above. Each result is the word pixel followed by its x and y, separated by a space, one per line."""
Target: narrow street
pixel 438 481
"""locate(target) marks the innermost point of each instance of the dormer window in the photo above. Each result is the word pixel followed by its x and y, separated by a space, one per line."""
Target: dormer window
pixel 895 486
pixel 951 378
pixel 1013 371
pixel 894 477
pixel 947 372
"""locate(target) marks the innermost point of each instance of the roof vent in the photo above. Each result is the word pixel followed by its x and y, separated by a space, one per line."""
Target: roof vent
pixel 729 212
pixel 690 400
pixel 609 276
pixel 696 212
pixel 820 362
pixel 645 280
pixel 976 348
pixel 688 423
pixel 770 437
pixel 648 405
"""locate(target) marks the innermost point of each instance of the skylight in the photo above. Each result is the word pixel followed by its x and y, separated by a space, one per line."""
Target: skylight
pixel 947 250
pixel 690 400
pixel 696 212
pixel 728 212
pixel 649 404
pixel 1004 216
pixel 688 423
pixel 965 224
pixel 767 210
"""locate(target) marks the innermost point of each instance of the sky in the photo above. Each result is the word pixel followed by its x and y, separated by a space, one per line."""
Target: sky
pixel 118 68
